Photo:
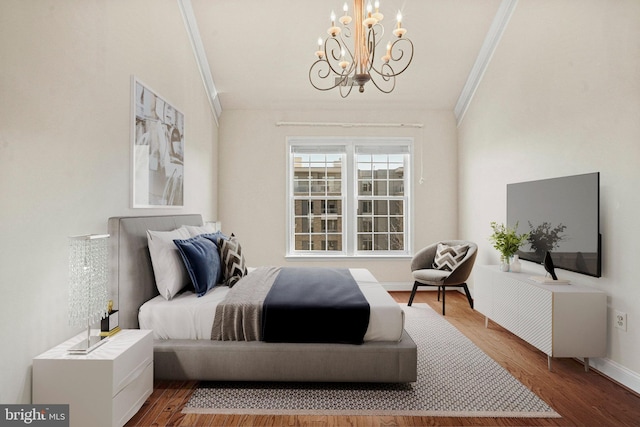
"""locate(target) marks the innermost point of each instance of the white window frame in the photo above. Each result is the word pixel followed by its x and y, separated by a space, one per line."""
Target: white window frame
pixel 350 191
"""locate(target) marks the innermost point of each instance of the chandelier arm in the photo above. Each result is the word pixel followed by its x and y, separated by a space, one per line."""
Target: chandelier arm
pixel 398 52
pixel 371 47
pixel 387 77
pixel 378 34
pixel 346 48
pixel 336 59
pixel 324 74
pixel 345 87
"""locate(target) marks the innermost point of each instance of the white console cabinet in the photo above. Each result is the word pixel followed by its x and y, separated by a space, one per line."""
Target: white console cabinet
pixel 566 320
pixel 103 388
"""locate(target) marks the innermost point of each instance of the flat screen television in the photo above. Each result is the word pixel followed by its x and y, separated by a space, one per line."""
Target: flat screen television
pixel 562 217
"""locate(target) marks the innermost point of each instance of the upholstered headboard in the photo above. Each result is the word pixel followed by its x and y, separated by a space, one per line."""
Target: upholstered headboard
pixel 131 274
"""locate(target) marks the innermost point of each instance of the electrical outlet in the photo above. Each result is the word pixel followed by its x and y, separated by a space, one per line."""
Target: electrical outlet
pixel 621 320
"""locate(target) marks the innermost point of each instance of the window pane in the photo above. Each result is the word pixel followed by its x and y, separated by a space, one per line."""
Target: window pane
pixel 316 207
pixel 380 170
pixel 301 171
pixel 396 224
pixel 380 207
pixel 302 225
pixel 365 188
pixel 333 242
pixel 301 207
pixel 332 226
pixel 365 242
pixel 397 242
pixel 380 188
pixel 396 188
pixel 396 158
pixel 302 243
pixel 332 206
pixel 381 224
pixel 334 187
pixel 365 207
pixel 381 242
pixel 364 171
pixel 318 188
pixel 396 207
pixel 396 171
pixel 365 224
pixel 301 187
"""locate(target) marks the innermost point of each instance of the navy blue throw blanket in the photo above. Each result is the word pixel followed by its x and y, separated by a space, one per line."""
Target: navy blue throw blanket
pixel 315 305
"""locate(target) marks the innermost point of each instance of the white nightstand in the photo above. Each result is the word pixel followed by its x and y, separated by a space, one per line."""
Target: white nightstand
pixel 103 388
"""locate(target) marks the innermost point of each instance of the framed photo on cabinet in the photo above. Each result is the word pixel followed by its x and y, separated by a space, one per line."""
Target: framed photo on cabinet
pixel 157 150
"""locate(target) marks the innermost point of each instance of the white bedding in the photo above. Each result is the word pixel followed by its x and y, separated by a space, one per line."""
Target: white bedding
pixel 189 317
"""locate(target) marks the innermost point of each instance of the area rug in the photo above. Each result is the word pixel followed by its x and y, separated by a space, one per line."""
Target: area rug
pixel 455 379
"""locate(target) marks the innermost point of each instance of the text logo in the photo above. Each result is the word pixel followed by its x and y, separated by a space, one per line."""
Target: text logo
pixel 34 415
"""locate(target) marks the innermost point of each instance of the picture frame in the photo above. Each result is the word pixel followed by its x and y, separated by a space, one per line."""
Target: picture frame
pixel 157 150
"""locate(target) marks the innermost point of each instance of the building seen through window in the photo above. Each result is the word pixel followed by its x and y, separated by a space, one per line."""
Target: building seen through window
pixel 349 199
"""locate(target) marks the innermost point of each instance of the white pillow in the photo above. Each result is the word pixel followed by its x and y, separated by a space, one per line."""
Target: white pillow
pixel 168 267
pixel 196 231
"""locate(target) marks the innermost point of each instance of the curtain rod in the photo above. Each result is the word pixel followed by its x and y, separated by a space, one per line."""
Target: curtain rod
pixel 352 125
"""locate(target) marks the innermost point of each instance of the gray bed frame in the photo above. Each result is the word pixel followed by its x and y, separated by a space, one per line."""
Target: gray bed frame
pixel 132 283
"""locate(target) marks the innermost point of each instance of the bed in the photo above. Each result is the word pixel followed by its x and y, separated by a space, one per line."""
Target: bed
pixel 188 354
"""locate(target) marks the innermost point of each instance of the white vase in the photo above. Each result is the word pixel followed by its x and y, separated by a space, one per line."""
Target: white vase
pixel 504 264
pixel 515 264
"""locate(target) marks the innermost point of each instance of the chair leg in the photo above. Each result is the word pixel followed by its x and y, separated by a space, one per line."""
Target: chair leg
pixel 466 291
pixel 438 293
pixel 444 293
pixel 413 293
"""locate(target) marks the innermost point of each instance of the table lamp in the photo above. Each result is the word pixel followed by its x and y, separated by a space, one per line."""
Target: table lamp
pixel 88 280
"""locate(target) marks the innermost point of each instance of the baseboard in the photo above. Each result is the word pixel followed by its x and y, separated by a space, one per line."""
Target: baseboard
pixel 616 372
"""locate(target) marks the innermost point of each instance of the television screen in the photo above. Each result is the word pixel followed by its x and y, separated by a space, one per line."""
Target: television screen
pixel 562 216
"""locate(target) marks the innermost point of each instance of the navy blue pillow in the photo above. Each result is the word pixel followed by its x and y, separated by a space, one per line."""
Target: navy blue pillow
pixel 215 237
pixel 202 260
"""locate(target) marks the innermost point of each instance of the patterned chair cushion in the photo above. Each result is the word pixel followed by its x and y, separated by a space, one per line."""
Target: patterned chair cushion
pixel 448 257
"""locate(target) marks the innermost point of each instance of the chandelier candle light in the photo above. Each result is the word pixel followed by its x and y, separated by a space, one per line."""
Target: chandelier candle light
pixel 346 57
pixel 88 280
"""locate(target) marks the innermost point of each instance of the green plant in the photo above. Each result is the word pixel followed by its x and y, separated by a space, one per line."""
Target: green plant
pixel 506 240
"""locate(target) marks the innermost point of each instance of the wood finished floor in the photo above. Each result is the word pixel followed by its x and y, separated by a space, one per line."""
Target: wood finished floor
pixel 581 398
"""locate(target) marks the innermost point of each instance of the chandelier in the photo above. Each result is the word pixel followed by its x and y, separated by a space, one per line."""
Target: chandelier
pixel 347 56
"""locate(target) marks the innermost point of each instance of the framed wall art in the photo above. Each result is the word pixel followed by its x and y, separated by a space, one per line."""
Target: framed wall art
pixel 157 150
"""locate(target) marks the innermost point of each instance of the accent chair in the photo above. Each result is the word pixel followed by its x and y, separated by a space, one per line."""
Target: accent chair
pixel 442 264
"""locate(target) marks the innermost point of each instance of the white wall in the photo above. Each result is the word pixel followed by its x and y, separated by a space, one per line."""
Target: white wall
pixel 562 97
pixel 253 168
pixel 65 124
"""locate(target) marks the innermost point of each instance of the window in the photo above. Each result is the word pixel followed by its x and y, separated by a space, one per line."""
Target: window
pixel 349 198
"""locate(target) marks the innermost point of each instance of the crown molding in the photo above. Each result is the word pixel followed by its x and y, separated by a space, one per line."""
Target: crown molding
pixel 491 40
pixel 201 58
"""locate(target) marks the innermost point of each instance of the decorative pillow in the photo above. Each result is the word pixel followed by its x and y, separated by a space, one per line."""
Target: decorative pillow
pixel 216 237
pixel 169 270
pixel 232 260
pixel 201 258
pixel 204 229
pixel 448 257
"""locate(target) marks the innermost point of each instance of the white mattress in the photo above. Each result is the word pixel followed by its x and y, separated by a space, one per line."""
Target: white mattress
pixel 188 317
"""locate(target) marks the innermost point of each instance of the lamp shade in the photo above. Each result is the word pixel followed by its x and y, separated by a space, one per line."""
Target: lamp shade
pixel 88 278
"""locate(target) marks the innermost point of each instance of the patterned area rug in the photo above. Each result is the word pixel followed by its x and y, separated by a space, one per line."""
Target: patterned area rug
pixel 455 379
